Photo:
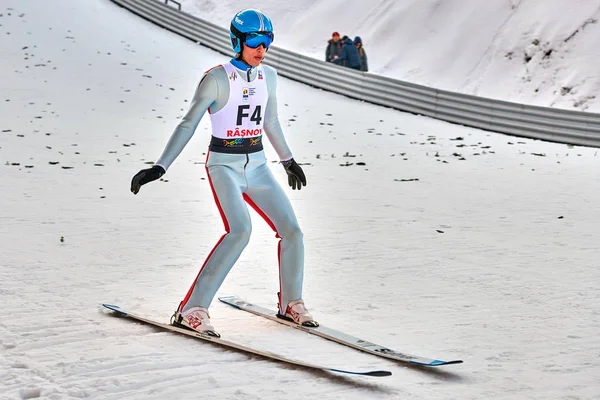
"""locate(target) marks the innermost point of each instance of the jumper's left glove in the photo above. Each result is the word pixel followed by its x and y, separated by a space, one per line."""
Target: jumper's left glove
pixel 145 176
pixel 296 178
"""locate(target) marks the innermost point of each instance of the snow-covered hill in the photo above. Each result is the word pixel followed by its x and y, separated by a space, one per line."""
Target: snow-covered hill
pixel 420 235
pixel 542 52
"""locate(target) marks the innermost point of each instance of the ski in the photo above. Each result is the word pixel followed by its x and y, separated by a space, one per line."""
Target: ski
pixel 232 345
pixel 336 336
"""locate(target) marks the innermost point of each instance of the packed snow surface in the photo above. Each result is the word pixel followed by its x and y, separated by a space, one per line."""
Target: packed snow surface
pixel 423 236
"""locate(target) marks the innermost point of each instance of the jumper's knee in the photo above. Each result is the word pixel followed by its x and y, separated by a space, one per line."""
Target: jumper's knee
pixel 292 233
pixel 239 238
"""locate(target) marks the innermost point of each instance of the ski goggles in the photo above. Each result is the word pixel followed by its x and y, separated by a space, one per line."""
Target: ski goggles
pixel 255 39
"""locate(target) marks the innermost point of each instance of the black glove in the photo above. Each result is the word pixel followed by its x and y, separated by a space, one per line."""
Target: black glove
pixel 296 177
pixel 145 176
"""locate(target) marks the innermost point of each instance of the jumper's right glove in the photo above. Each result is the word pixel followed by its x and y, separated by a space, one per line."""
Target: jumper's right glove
pixel 296 178
pixel 145 176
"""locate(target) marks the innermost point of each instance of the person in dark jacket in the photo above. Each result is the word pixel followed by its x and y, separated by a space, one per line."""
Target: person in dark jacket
pixel 334 47
pixel 349 56
pixel 364 66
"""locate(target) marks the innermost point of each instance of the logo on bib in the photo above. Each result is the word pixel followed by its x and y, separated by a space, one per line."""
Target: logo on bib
pixel 246 92
pixel 237 132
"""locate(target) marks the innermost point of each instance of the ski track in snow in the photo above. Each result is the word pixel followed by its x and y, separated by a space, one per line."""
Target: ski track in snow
pixel 449 242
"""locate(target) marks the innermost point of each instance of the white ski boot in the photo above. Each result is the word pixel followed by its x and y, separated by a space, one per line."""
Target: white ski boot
pixel 196 319
pixel 296 311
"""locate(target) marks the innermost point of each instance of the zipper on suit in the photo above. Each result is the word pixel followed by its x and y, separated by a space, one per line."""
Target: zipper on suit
pixel 245 165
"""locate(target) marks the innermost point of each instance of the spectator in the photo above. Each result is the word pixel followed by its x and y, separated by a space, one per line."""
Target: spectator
pixel 334 47
pixel 349 57
pixel 364 66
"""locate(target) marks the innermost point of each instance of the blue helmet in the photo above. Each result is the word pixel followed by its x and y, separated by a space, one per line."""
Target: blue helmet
pixel 252 28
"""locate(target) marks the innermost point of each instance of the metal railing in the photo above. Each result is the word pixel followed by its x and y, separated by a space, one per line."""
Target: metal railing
pixel 173 1
pixel 551 124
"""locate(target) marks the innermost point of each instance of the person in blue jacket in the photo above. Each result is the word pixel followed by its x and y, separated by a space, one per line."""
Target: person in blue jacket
pixel 350 56
pixel 364 65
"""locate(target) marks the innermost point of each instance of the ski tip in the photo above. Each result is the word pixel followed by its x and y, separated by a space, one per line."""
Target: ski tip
pixel 378 373
pixel 368 373
pixel 452 362
pixel 436 363
pixel 114 308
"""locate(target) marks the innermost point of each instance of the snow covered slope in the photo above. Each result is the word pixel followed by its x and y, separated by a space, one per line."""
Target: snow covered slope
pixel 448 242
pixel 542 52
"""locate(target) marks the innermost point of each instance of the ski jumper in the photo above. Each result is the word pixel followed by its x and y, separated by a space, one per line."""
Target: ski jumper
pixel 242 103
